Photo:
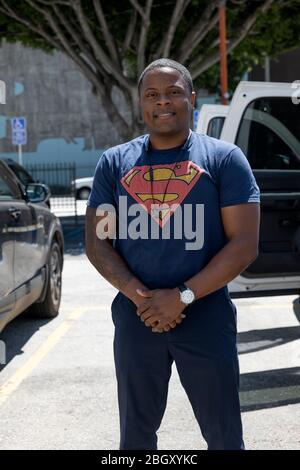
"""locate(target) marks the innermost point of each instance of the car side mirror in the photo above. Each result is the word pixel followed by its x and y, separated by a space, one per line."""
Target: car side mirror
pixel 37 192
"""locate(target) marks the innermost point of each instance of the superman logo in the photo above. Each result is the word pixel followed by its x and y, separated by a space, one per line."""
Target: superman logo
pixel 171 185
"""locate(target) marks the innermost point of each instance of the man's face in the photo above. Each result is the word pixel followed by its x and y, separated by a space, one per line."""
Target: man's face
pixel 166 102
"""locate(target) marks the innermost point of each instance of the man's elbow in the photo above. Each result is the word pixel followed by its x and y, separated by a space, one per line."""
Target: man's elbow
pixel 250 251
pixel 90 248
pixel 96 251
pixel 254 254
pixel 90 253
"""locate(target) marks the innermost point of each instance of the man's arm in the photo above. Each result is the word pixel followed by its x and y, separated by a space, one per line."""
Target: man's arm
pixel 241 226
pixel 111 265
pixel 107 260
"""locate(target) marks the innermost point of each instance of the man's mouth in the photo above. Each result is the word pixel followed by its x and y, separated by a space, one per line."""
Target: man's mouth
pixel 164 115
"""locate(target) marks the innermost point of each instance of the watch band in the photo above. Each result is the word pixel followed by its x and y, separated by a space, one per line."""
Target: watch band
pixel 182 287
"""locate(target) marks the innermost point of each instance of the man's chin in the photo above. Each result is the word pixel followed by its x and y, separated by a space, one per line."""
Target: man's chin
pixel 164 130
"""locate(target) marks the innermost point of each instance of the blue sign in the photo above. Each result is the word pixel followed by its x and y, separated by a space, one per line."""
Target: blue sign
pixel 19 131
pixel 196 117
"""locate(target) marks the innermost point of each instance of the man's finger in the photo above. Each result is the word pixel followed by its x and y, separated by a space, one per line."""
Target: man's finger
pixel 149 313
pixel 159 329
pixel 152 319
pixel 142 308
pixel 179 319
pixel 144 292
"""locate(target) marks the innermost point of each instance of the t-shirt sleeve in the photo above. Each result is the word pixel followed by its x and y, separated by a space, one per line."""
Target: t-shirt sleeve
pixel 237 184
pixel 103 184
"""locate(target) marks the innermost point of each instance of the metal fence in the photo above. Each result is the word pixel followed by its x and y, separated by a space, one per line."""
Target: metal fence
pixel 59 177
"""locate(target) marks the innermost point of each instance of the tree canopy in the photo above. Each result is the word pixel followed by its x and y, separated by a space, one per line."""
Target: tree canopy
pixel 112 41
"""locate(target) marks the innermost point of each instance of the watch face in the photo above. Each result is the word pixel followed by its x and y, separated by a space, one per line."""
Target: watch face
pixel 187 296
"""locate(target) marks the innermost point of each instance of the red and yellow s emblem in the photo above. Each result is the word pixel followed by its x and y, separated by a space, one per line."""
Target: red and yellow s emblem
pixel 178 181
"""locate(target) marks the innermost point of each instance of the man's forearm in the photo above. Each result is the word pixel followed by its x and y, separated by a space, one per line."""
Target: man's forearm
pixel 113 268
pixel 222 268
pixel 107 260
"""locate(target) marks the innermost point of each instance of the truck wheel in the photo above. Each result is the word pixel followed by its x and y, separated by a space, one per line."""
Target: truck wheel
pixel 50 306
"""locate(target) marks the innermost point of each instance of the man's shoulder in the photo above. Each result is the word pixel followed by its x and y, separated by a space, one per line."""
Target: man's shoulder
pixel 214 148
pixel 133 146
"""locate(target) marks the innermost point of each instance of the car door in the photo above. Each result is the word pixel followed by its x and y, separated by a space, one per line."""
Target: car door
pixel 264 121
pixel 28 234
pixel 7 250
pixel 211 119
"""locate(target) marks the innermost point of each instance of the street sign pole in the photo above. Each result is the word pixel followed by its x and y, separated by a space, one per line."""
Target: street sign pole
pixel 20 154
pixel 19 134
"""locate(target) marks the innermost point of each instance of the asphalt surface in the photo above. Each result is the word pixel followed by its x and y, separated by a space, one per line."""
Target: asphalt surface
pixel 58 387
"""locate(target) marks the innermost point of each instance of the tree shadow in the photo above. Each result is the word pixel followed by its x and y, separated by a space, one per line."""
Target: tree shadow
pixel 259 340
pixel 269 389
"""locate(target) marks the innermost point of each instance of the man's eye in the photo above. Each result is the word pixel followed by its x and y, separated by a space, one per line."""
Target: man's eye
pixel 175 92
pixel 150 95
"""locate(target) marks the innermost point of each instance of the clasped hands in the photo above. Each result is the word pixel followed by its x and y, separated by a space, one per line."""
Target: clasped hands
pixel 160 309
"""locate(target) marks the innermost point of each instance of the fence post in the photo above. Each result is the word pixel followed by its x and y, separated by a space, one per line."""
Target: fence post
pixel 74 192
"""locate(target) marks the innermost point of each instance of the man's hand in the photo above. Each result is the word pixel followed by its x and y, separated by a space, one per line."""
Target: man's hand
pixel 161 309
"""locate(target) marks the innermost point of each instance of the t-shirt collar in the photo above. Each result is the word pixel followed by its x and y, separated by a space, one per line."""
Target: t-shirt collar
pixel 186 144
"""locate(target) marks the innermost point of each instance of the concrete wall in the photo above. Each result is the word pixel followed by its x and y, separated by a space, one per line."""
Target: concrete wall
pixel 66 122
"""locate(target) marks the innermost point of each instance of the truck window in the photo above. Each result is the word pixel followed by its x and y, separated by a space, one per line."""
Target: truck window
pixel 215 126
pixel 269 134
pixel 21 174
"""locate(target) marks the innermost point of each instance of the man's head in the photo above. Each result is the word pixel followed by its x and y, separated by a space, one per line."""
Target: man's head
pixel 166 99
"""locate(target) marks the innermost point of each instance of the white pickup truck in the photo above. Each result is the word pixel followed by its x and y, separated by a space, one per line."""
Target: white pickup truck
pixel 263 119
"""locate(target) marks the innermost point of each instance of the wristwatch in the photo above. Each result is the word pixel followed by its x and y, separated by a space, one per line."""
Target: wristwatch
pixel 187 296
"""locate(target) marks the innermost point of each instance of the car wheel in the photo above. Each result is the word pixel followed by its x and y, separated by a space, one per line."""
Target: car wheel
pixel 50 306
pixel 83 193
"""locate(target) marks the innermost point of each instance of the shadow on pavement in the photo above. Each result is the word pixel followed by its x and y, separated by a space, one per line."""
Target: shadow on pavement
pixel 269 389
pixel 74 234
pixel 17 333
pixel 259 340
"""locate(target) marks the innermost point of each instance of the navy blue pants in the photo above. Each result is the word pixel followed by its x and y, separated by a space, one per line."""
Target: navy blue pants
pixel 143 362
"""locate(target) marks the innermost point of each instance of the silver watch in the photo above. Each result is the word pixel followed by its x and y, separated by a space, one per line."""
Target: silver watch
pixel 187 296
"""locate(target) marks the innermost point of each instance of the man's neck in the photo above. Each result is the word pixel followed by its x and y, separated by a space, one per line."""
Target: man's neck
pixel 159 142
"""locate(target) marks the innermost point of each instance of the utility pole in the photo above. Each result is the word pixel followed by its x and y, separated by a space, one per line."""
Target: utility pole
pixel 223 52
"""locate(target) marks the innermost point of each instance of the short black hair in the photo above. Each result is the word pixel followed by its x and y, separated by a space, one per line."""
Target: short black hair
pixel 159 63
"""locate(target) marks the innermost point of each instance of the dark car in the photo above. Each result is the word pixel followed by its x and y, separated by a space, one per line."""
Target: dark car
pixel 31 249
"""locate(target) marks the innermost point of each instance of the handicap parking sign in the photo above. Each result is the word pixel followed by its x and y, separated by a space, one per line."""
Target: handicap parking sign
pixel 19 130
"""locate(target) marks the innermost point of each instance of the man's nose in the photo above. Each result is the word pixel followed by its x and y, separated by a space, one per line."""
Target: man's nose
pixel 162 99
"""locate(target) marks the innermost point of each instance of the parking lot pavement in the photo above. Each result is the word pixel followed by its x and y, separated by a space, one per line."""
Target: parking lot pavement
pixel 58 388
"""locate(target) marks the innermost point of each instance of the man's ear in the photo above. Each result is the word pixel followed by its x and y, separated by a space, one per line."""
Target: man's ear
pixel 193 98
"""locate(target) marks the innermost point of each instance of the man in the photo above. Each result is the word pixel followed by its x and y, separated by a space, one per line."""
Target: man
pixel 173 302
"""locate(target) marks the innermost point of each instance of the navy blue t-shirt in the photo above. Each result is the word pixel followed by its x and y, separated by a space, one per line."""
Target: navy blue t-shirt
pixel 193 182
